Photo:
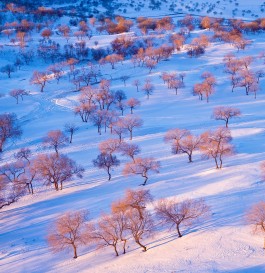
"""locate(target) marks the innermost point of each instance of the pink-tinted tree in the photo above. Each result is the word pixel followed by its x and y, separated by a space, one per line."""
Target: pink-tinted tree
pixel 68 232
pixel 9 129
pixel 130 150
pixel 55 169
pixel 142 166
pixel 130 122
pixel 132 103
pixel 186 213
pixel 55 139
pixel 225 113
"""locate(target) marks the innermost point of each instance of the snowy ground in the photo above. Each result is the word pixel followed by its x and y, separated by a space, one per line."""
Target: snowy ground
pixel 223 244
pixel 223 8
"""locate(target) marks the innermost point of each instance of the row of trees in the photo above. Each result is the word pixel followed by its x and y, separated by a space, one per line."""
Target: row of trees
pixel 128 220
pixel 138 166
pixel 18 176
pixel 213 144
pixel 96 105
pixel 241 75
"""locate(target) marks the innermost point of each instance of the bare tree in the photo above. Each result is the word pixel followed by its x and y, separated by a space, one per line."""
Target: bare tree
pixel 225 113
pixel 256 217
pixel 182 75
pixel 118 129
pixel 112 59
pixel 130 150
pixel 121 106
pixel 148 88
pixel 57 71
pixel 106 162
pixel 40 78
pixel 9 129
pixel 175 134
pixel 247 80
pixel 109 146
pixel 140 227
pixel 176 84
pixel 176 214
pixel 55 139
pixel 120 96
pixel 187 145
pixel 17 176
pixel 150 64
pixel 9 192
pixel 85 110
pixel 23 153
pixel 56 169
pixel 18 93
pixel 71 128
pixel 124 78
pixel 254 88
pixel 133 199
pixel 13 171
pixel 206 88
pixel 136 83
pixel 130 122
pixel 110 118
pixel 133 103
pixel 97 118
pixel 68 232
pixel 7 69
pixel 142 166
pixel 259 74
pixel 216 145
pixel 107 232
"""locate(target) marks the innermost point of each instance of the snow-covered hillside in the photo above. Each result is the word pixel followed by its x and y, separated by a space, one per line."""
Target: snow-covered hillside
pixel 224 243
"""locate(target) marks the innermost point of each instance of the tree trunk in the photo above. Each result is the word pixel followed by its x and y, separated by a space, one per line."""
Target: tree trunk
pixel 124 245
pixel 56 186
pixel 216 163
pixel 179 233
pixel 71 137
pixel 31 187
pixel 146 178
pixel 221 162
pixel 190 157
pixel 115 248
pixel 75 251
pixel 141 245
pixel 226 123
pixel 28 187
pixel 131 135
pixel 109 173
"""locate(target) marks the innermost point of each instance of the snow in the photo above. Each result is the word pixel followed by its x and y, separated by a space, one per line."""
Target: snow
pixel 224 243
